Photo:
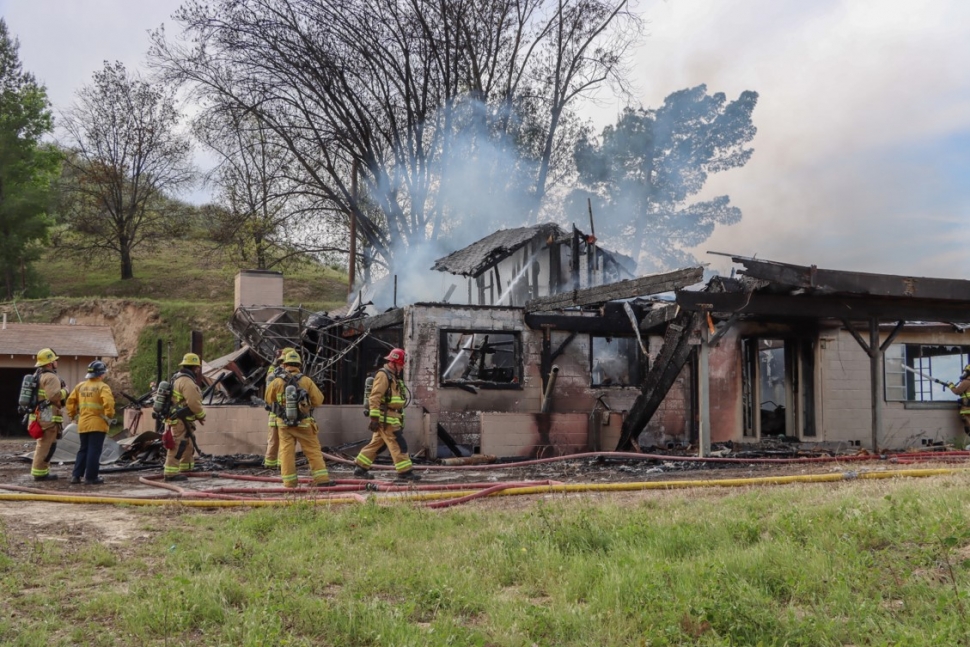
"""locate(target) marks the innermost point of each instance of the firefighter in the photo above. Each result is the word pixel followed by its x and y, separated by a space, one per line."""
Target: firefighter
pixel 273 439
pixel 962 389
pixel 51 396
pixel 386 402
pixel 294 421
pixel 92 403
pixel 184 411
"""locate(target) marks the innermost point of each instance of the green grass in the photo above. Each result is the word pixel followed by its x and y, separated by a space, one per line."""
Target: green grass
pixel 182 270
pixel 857 564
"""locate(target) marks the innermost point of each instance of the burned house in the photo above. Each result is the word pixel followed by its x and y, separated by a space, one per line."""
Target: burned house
pixel 547 345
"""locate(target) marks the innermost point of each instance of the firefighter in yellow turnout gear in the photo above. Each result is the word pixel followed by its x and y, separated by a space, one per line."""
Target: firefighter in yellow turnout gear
pixel 272 457
pixel 962 389
pixel 293 397
pixel 51 397
pixel 185 410
pixel 386 402
pixel 92 403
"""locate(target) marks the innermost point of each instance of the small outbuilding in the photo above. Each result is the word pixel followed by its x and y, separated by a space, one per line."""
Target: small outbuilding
pixel 77 346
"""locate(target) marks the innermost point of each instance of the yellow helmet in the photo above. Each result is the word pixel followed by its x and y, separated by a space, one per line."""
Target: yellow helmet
pixel 45 356
pixel 190 359
pixel 292 357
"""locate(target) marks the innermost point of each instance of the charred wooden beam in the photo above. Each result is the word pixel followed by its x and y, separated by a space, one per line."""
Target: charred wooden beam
pixel 854 308
pixel 662 375
pixel 886 285
pixel 658 316
pixel 643 286
pixel 387 319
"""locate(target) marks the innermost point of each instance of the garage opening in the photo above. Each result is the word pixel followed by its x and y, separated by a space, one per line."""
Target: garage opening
pixel 10 379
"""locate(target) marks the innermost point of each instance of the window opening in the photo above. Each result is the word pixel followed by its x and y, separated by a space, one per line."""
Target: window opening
pixel 614 361
pixel 943 362
pixel 480 358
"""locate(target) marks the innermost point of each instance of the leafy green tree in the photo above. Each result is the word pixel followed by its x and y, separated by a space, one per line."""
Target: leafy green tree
pixel 642 173
pixel 27 167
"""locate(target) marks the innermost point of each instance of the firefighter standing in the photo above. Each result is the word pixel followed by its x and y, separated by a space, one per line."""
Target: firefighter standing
pixel 185 410
pixel 272 458
pixel 92 403
pixel 51 396
pixel 299 427
pixel 386 402
pixel 962 389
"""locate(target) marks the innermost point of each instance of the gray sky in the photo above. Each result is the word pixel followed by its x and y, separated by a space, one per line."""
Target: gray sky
pixel 862 158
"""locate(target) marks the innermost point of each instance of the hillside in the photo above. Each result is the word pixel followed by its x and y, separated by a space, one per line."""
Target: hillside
pixel 179 288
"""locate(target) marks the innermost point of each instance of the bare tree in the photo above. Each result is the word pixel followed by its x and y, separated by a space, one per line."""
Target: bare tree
pixel 261 209
pixel 448 108
pixel 125 157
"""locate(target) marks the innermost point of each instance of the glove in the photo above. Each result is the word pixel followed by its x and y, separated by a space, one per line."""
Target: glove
pixel 374 425
pixel 950 385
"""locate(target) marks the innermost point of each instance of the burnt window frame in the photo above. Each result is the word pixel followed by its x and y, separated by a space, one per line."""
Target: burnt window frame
pixel 642 362
pixel 517 355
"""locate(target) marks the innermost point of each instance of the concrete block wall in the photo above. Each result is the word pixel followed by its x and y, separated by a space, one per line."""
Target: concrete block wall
pixel 846 409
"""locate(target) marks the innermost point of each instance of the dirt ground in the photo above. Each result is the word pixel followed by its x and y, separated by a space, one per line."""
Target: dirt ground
pixel 113 524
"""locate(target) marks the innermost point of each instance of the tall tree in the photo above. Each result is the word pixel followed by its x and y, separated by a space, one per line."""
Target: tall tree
pixel 27 166
pixel 642 173
pixel 449 109
pixel 126 156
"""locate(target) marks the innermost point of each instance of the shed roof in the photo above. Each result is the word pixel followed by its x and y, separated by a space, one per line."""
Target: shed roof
pixel 81 341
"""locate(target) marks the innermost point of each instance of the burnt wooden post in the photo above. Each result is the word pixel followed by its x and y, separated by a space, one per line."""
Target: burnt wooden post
pixel 875 354
pixel 545 359
pixel 196 342
pixel 555 268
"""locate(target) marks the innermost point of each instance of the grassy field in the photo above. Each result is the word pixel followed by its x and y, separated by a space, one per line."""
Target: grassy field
pixel 862 563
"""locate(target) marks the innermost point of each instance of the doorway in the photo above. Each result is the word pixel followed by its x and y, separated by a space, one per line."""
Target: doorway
pixel 778 387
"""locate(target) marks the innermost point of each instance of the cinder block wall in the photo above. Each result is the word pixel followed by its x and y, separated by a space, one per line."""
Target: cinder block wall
pixel 846 410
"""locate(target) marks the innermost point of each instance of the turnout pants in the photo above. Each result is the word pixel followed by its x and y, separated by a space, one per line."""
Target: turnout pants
pixel 46 445
pixel 393 438
pixel 310 443
pixel 88 461
pixel 180 458
pixel 272 458
pixel 963 416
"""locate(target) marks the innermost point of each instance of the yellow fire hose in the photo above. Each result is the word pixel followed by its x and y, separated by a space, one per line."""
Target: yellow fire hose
pixel 541 489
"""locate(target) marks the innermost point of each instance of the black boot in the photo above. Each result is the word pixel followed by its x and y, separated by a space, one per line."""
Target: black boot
pixel 97 481
pixel 408 476
pixel 176 477
pixel 46 477
pixel 361 473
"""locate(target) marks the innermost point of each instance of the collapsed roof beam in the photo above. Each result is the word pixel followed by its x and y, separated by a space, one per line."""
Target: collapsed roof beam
pixel 860 308
pixel 828 281
pixel 643 286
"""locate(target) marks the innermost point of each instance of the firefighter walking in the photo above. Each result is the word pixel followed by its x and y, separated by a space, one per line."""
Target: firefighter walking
pixel 386 402
pixel 51 396
pixel 93 404
pixel 962 389
pixel 185 410
pixel 293 397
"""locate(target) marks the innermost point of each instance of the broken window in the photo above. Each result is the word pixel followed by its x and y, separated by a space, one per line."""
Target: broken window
pixel 614 361
pixel 909 367
pixel 481 358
